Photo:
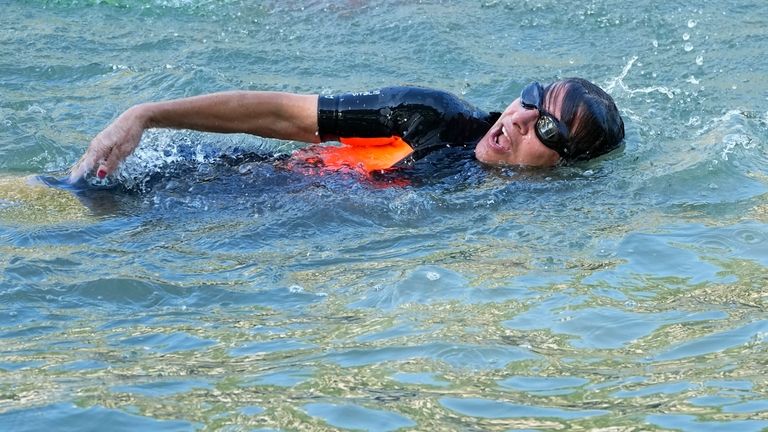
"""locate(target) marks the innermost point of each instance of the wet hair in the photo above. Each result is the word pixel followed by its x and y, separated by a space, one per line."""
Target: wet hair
pixel 591 116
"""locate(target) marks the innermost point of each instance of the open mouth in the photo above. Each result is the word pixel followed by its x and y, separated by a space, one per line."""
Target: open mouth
pixel 501 140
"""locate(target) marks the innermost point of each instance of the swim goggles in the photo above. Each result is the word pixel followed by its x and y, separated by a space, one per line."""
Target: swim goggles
pixel 550 131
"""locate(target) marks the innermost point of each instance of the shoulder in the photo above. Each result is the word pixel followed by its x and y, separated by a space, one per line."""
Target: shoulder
pixel 417 94
pixel 440 103
pixel 395 96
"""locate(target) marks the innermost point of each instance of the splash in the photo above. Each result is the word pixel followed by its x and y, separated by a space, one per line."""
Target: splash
pixel 618 81
pixel 160 152
pixel 730 130
pixel 733 141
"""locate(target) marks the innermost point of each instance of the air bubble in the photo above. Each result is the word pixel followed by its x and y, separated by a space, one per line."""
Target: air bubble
pixel 655 43
pixel 433 276
pixel 688 47
pixel 686 36
pixel 691 23
pixel 700 60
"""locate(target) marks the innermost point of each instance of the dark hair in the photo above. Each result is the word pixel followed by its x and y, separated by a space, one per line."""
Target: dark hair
pixel 591 116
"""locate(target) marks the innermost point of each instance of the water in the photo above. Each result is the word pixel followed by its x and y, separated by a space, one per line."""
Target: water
pixel 625 293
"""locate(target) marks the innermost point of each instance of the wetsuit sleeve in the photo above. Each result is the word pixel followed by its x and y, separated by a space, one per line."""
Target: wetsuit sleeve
pixel 422 117
pixel 360 115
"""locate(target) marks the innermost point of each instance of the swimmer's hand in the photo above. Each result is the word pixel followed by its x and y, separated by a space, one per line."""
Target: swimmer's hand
pixel 112 145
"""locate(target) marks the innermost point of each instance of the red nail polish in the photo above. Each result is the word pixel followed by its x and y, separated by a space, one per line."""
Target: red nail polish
pixel 102 173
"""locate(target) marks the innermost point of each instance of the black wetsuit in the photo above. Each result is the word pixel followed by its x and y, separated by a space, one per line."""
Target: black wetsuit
pixel 426 119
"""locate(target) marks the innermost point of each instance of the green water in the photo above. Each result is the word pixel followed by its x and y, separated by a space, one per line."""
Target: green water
pixel 623 294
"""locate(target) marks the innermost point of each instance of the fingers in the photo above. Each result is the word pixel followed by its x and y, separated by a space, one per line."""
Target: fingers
pixel 114 155
pixel 109 148
pixel 86 163
pixel 98 151
pixel 77 170
pixel 101 155
pixel 109 165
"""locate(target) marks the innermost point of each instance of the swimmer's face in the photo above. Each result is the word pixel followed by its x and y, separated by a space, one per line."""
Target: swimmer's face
pixel 512 140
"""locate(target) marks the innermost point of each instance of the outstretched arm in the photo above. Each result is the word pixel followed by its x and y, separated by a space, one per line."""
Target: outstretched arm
pixel 267 114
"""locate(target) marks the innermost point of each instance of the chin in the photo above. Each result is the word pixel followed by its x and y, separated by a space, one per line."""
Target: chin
pixel 481 153
pixel 488 156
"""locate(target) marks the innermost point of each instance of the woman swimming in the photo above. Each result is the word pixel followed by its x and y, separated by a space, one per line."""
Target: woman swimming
pixel 566 121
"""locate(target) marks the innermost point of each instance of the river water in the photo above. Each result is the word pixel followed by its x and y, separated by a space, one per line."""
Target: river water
pixel 624 294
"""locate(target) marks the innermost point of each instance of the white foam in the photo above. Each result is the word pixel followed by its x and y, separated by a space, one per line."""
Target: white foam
pixel 733 141
pixel 618 82
pixel 158 150
pixel 728 131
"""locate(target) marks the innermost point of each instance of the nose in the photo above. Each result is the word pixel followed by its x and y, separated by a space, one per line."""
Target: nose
pixel 524 119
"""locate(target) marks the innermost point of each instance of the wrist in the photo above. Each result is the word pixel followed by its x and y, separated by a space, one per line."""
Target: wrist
pixel 142 115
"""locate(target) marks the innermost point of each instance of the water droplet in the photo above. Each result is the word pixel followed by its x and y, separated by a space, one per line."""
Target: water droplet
pixel 688 47
pixel 686 36
pixel 691 23
pixel 655 43
pixel 700 60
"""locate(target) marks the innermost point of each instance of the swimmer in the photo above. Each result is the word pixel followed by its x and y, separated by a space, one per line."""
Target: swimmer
pixel 566 121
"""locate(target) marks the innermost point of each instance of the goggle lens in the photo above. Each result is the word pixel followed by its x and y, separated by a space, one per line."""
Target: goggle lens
pixel 547 128
pixel 551 132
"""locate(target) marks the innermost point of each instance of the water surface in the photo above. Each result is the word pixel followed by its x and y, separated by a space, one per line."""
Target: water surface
pixel 200 295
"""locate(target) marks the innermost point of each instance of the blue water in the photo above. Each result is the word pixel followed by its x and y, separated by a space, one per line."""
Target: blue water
pixel 194 294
